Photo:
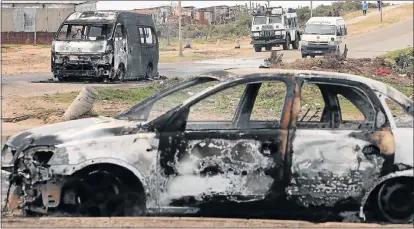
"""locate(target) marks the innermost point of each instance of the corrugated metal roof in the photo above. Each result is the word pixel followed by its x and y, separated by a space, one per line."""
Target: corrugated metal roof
pixel 46 2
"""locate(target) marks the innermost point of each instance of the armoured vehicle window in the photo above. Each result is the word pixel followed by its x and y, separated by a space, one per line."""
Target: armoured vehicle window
pixel 221 106
pixel 269 102
pixel 275 19
pixel 261 20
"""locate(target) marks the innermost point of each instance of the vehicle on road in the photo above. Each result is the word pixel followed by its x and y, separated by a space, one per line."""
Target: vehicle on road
pixel 238 136
pixel 106 45
pixel 323 35
pixel 274 27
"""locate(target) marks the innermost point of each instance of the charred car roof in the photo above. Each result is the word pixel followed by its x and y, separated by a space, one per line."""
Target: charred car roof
pixel 102 17
pixel 92 16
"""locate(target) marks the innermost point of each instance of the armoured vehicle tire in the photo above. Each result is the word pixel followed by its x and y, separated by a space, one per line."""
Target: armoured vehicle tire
pixel 286 45
pixel 258 49
pixel 295 43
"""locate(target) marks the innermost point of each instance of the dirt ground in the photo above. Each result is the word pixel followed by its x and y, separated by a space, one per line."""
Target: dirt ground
pixel 373 20
pixel 184 222
pixel 17 59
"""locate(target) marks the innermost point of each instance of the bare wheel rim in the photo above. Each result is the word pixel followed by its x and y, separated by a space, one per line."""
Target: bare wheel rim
pixel 395 202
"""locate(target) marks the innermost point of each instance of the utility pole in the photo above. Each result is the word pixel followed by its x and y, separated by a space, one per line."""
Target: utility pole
pixel 381 9
pixel 179 28
pixel 311 8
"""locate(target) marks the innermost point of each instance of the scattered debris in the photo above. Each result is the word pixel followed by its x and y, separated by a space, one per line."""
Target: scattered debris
pixel 17 119
pixel 82 104
pixel 274 59
pixel 383 72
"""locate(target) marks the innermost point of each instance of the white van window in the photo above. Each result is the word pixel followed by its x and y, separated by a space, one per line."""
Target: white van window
pixel 261 20
pixel 320 29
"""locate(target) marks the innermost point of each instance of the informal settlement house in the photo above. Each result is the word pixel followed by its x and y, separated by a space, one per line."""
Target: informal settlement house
pixel 36 22
pixel 164 15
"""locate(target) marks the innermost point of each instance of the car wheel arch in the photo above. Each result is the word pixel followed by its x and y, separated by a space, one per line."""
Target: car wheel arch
pixel 97 162
pixel 409 173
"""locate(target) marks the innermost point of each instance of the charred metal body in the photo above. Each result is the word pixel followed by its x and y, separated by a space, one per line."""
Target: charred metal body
pixel 105 45
pixel 134 165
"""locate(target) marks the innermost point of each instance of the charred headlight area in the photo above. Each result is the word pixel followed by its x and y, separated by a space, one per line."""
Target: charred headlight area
pixel 82 65
pixel 32 167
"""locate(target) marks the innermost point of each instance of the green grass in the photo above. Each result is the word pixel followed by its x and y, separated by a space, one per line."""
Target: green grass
pixel 396 53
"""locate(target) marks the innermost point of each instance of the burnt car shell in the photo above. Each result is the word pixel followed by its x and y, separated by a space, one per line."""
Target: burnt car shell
pixel 136 144
pixel 108 47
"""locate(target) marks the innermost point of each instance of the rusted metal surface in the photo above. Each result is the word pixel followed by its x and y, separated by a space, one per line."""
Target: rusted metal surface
pixel 173 165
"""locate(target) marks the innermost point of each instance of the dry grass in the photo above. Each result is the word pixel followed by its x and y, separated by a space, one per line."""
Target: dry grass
pixel 389 17
pixel 354 14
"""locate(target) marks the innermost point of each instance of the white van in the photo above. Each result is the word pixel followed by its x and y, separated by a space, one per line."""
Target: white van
pixel 323 35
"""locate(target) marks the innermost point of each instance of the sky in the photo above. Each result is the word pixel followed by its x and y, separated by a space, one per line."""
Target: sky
pixel 130 5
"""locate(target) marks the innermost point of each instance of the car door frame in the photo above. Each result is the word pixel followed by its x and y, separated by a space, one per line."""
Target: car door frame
pixel 173 131
pixel 376 139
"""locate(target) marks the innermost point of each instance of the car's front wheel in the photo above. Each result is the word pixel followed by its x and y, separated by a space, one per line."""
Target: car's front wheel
pixel 101 194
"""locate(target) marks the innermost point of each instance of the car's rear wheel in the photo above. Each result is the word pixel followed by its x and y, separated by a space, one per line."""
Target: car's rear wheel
pixel 257 49
pixel 268 47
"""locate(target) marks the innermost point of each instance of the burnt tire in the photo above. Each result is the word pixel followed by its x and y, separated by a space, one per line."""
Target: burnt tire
pixel 286 45
pixel 257 49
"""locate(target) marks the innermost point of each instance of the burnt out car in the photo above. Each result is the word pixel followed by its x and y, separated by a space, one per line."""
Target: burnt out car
pixel 105 45
pixel 250 136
